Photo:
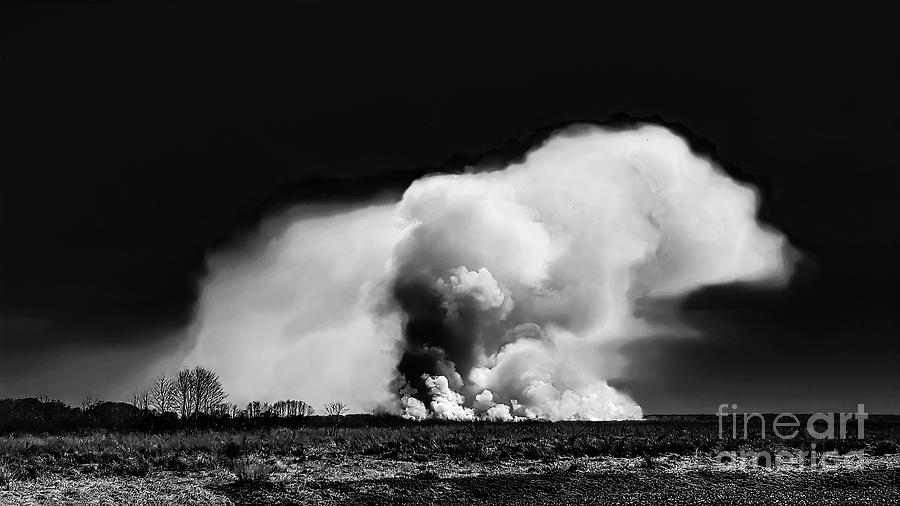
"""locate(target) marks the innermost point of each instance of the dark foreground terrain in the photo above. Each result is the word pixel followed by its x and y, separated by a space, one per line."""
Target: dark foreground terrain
pixel 648 462
pixel 675 480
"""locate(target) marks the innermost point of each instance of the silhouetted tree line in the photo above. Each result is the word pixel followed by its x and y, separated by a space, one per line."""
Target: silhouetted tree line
pixel 190 394
pixel 192 398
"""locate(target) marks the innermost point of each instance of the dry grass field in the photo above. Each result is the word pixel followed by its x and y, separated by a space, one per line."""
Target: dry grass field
pixel 464 463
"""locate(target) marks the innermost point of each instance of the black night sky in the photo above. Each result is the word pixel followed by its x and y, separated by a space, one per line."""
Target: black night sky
pixel 136 140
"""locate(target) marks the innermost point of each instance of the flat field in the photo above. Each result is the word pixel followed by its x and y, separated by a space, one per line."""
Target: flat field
pixel 645 462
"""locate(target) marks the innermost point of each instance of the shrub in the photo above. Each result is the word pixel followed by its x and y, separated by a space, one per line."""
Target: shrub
pixel 884 447
pixel 249 471
pixel 845 446
pixel 232 450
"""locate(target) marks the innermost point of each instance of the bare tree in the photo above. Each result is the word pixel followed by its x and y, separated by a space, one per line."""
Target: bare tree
pixel 198 384
pixel 141 399
pixel 163 395
pixel 207 390
pixel 88 402
pixel 183 385
pixel 335 410
pixel 292 408
pixel 304 409
pixel 216 394
pixel 221 409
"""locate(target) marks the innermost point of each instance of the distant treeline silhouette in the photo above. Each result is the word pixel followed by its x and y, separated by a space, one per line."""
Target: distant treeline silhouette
pixel 193 398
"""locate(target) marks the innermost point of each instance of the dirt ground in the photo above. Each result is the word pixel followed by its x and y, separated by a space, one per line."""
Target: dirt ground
pixel 367 480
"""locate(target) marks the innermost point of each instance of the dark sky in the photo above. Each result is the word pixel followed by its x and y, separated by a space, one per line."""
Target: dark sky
pixel 136 140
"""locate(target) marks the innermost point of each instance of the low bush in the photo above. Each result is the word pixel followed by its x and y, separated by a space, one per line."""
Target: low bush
pixel 883 447
pixel 252 471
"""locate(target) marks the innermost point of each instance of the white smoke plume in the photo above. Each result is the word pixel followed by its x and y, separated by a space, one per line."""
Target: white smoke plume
pixel 496 295
pixel 287 315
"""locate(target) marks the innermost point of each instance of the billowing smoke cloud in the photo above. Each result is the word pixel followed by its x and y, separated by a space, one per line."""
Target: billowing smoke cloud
pixel 495 295
pixel 288 315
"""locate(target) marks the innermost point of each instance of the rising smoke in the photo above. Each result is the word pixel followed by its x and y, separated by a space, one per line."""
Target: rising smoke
pixel 495 295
